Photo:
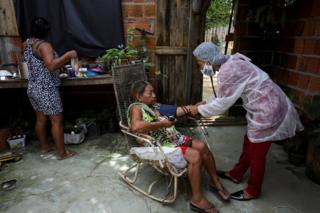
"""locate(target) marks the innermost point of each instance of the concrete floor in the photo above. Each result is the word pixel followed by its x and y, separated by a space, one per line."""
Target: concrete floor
pixel 89 181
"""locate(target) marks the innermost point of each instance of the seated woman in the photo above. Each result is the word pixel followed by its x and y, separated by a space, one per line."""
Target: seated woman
pixel 144 118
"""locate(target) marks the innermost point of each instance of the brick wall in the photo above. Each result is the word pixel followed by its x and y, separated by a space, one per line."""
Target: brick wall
pixel 248 36
pixel 291 57
pixel 141 14
pixel 10 50
pixel 297 55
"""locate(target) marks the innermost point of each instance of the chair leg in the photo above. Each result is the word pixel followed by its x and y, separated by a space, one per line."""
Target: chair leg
pixel 169 198
pixel 127 179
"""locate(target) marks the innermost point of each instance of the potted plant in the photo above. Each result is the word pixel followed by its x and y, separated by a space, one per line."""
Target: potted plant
pixel 121 54
pixel 312 125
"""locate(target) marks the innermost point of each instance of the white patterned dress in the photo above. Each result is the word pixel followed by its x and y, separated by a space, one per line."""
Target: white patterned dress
pixel 43 85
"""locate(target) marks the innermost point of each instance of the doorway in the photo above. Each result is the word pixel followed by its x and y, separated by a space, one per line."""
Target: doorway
pixel 219 30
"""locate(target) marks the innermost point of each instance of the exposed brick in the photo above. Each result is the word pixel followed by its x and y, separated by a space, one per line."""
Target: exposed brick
pixel 309 46
pixel 309 28
pixel 316 8
pixel 16 41
pixel 292 61
pixel 275 74
pixel 286 45
pixel 298 28
pixel 298 45
pixel 149 11
pixel 132 11
pixel 314 85
pixel 253 29
pixel 256 44
pixel 281 76
pixel 313 65
pixel 302 63
pixel 293 78
pixel 303 81
pixel 241 29
pixel 305 8
pixel 243 12
pixel 317 47
pixel 132 1
pixel 142 24
pixel 300 97
pixel 293 28
pixel 151 43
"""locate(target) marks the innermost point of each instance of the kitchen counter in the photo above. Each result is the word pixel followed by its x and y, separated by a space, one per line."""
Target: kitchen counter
pixel 97 80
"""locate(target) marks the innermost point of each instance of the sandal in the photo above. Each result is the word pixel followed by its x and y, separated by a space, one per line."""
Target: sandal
pixel 203 210
pixel 8 185
pixel 68 154
pixel 223 175
pixel 219 192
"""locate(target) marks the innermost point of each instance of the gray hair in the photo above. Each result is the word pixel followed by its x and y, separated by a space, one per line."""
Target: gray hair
pixel 210 52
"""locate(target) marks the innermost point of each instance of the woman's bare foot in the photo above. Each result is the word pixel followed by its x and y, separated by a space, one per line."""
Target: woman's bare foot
pixel 203 205
pixel 219 188
pixel 66 154
pixel 45 149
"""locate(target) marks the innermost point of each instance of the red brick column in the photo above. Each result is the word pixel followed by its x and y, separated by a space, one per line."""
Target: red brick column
pixel 297 57
pixel 292 58
pixel 141 14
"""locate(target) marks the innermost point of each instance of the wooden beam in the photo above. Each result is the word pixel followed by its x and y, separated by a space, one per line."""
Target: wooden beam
pixel 98 80
pixel 167 50
pixel 8 23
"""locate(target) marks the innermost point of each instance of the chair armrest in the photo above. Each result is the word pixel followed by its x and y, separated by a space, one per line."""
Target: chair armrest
pixel 144 137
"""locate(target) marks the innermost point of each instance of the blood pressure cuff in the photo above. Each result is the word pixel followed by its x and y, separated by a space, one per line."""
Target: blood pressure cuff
pixel 168 110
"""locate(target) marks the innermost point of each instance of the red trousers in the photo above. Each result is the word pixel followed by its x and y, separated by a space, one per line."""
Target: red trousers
pixel 253 156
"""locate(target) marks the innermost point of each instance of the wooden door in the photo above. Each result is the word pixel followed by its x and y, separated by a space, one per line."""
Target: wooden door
pixel 180 28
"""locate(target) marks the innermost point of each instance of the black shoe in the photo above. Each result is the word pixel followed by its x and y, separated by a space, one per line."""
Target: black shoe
pixel 239 195
pixel 200 210
pixel 223 175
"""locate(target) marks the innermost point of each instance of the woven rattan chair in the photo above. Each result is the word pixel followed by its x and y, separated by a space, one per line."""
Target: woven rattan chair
pixel 123 77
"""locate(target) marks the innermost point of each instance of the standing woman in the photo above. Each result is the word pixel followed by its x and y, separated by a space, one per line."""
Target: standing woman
pixel 270 114
pixel 43 86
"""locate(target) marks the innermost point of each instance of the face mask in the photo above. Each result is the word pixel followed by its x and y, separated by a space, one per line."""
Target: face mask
pixel 207 70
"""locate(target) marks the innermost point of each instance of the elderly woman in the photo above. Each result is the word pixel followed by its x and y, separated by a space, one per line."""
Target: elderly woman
pixel 270 114
pixel 43 83
pixel 143 117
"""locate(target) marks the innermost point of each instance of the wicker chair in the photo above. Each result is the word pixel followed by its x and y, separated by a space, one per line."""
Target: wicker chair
pixel 123 77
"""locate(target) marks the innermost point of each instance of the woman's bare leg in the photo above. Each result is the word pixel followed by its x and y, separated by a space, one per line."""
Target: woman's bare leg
pixel 210 165
pixel 58 137
pixel 194 174
pixel 41 131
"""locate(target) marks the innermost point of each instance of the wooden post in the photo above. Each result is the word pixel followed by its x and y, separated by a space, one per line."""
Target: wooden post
pixel 178 32
pixel 8 23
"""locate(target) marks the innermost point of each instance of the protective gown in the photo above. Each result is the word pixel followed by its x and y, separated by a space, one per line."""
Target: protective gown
pixel 270 114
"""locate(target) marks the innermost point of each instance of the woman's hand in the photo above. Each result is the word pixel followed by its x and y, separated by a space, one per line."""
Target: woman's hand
pixel 166 123
pixel 47 54
pixel 72 54
pixel 193 110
